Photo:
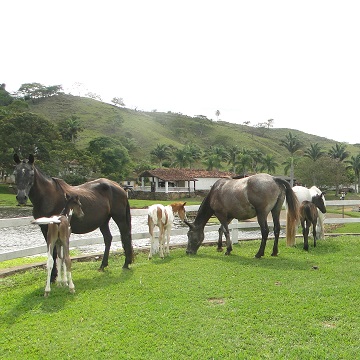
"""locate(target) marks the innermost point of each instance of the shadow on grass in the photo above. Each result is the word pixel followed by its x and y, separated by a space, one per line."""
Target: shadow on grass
pixel 287 259
pixel 60 296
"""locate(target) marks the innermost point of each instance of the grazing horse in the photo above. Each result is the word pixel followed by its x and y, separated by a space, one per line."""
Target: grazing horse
pixel 308 216
pixel 163 217
pixel 58 234
pixel 302 193
pixel 242 199
pixel 101 200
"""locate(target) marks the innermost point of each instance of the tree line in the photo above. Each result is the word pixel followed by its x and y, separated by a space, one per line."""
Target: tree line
pixel 55 147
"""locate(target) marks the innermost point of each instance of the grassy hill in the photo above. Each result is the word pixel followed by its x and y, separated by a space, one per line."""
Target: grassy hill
pixel 147 129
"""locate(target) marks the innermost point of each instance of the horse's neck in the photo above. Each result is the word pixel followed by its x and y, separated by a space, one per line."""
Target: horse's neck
pixel 204 213
pixel 38 195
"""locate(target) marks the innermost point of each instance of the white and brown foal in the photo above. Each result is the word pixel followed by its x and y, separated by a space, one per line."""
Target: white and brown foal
pixel 163 217
pixel 58 234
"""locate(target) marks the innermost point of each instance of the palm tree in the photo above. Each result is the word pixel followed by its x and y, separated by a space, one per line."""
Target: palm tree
pixel 161 153
pixel 269 164
pixel 233 152
pixel 73 127
pixel 193 153
pixel 181 157
pixel 354 164
pixel 338 152
pixel 292 144
pixel 314 152
pixel 217 113
pixel 214 156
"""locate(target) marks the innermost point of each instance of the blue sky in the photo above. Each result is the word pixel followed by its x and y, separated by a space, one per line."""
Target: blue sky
pixel 295 62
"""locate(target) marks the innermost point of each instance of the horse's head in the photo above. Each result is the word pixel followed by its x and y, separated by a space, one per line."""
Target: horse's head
pixel 73 206
pixel 318 200
pixel 195 238
pixel 24 178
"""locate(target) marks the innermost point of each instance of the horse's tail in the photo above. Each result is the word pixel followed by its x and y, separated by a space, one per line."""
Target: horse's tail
pixel 292 213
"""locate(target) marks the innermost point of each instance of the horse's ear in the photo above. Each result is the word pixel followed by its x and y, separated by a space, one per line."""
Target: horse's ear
pixel 31 159
pixel 17 159
pixel 190 225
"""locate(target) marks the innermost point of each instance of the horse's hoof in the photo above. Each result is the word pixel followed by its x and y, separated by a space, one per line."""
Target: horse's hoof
pixel 258 256
pixel 219 249
pixel 72 291
pixel 126 267
pixel 274 254
pixel 46 294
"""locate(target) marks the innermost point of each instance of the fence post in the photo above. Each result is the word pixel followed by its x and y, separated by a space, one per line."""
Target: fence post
pixel 235 232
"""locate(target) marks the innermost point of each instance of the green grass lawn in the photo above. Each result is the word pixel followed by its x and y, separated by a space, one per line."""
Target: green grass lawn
pixel 299 305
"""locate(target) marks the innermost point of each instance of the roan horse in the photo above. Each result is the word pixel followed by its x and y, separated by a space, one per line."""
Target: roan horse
pixel 302 193
pixel 58 234
pixel 242 199
pixel 163 217
pixel 101 200
pixel 309 215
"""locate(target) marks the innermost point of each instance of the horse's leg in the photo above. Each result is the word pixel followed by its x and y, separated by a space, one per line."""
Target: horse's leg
pixel 320 231
pixel 314 231
pixel 105 230
pixel 49 266
pixel 227 237
pixel 264 235
pixel 168 233
pixel 219 244
pixel 152 240
pixel 44 230
pixel 276 221
pixel 162 230
pixel 306 229
pixel 125 232
pixel 61 279
pixel 67 261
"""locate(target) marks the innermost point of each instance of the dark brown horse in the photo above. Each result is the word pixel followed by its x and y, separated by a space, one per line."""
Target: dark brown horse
pixel 101 200
pixel 309 216
pixel 242 199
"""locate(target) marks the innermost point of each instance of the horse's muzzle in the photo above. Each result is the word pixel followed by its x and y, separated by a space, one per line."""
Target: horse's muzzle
pixel 191 252
pixel 21 198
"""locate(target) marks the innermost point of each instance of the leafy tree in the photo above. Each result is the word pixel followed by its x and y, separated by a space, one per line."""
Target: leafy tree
pixel 27 133
pixel 292 144
pixel 161 152
pixel 110 158
pixel 5 97
pixel 118 101
pixel 328 172
pixel 217 114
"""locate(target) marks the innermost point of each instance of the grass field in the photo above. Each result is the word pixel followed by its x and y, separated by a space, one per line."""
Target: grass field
pixel 299 305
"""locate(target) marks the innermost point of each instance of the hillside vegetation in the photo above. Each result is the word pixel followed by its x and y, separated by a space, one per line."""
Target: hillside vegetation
pixel 147 129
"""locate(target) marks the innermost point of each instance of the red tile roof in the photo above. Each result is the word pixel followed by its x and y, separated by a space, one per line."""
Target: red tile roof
pixel 171 174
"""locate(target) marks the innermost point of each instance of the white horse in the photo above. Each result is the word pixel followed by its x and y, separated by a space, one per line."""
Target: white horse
pixel 305 194
pixel 163 217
